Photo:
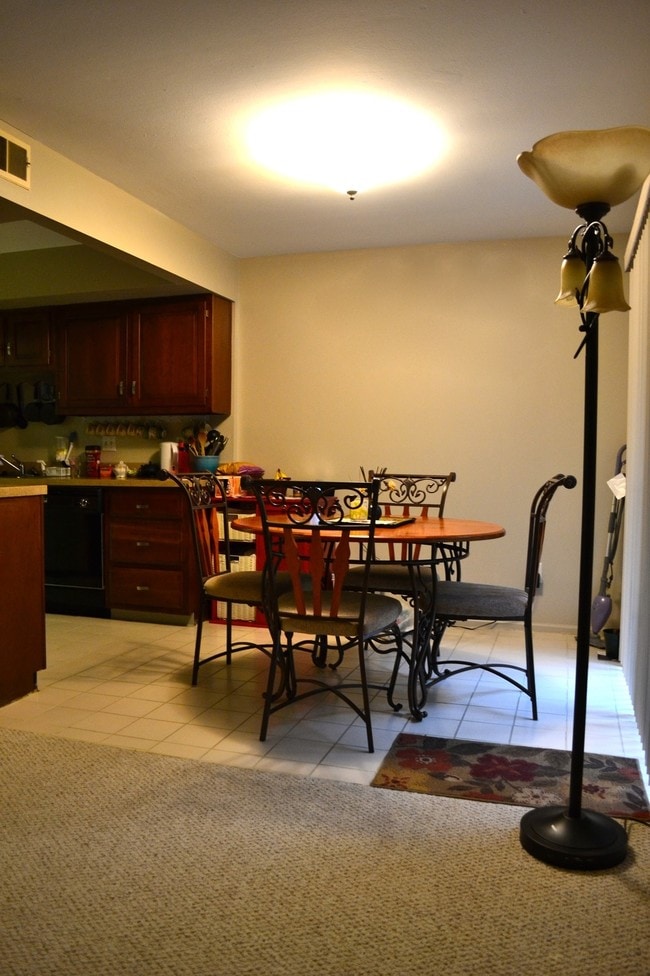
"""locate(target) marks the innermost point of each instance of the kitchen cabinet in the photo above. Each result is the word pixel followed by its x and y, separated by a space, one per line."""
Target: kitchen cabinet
pixel 91 358
pixel 25 338
pixel 22 591
pixel 164 356
pixel 149 552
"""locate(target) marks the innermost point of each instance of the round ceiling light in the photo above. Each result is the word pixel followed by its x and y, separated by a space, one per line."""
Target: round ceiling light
pixel 348 141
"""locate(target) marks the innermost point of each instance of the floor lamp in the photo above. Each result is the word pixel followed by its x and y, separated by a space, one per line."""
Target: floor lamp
pixel 589 172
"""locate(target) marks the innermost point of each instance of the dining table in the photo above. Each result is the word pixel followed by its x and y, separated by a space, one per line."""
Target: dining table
pixel 414 536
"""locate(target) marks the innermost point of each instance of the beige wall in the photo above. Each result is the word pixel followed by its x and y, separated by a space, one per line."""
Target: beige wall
pixel 433 358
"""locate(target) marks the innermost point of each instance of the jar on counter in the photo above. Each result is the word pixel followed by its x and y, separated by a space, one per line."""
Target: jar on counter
pixel 93 454
pixel 121 470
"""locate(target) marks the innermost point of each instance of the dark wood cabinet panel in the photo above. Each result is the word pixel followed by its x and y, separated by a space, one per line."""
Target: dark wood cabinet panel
pixel 25 338
pixel 170 352
pixel 91 359
pixel 22 595
pixel 147 589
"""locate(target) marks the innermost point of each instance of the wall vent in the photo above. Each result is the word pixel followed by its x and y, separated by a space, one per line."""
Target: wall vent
pixel 14 160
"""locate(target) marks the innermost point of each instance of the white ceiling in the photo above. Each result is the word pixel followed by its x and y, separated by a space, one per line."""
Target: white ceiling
pixel 153 95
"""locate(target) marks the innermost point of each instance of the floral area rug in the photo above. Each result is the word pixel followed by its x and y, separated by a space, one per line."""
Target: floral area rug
pixel 519 775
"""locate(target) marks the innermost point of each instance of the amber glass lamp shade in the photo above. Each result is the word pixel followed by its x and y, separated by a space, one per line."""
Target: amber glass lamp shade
pixel 572 278
pixel 605 286
pixel 587 166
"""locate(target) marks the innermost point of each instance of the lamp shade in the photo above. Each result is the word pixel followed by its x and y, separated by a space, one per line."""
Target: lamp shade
pixel 605 286
pixel 584 166
pixel 572 278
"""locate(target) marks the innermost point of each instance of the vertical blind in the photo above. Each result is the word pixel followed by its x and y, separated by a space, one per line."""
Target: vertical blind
pixel 635 606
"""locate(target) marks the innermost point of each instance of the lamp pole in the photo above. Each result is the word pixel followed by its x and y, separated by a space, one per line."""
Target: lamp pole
pixel 572 837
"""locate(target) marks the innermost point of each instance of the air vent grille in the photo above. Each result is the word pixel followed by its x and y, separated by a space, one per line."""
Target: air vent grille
pixel 14 160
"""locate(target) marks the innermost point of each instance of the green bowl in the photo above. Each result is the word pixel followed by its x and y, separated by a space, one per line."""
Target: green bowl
pixel 205 462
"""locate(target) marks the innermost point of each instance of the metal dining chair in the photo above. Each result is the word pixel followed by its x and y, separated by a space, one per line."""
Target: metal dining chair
pixel 406 570
pixel 306 530
pixel 411 496
pixel 459 601
pixel 208 507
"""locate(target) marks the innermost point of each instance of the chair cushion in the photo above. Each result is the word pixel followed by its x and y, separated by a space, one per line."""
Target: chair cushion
pixel 388 578
pixel 480 601
pixel 241 587
pixel 381 613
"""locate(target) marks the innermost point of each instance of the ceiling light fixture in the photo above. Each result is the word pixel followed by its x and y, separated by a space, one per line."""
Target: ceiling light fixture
pixel 589 172
pixel 350 142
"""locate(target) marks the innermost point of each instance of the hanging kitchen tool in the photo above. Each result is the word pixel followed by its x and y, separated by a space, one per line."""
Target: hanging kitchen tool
pixel 20 399
pixel 31 404
pixel 9 412
pixel 47 396
pixel 601 607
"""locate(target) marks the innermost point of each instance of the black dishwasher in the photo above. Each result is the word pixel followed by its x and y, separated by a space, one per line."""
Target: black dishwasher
pixel 74 551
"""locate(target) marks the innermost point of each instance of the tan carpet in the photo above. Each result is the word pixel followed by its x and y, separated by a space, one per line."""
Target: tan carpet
pixel 127 864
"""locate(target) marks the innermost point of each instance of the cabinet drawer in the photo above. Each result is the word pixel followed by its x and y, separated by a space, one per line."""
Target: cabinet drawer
pixel 150 543
pixel 145 588
pixel 159 503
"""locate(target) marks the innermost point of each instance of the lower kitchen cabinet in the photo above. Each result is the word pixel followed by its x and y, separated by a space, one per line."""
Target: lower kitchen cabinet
pixel 22 594
pixel 149 556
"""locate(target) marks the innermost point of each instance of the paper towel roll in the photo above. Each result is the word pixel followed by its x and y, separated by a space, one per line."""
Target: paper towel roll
pixel 169 456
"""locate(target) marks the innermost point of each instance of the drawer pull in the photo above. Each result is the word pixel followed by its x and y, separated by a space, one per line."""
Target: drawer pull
pixel 142 589
pixel 142 545
pixel 141 506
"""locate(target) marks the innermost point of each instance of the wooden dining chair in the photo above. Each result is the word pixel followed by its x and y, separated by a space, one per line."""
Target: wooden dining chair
pixel 307 527
pixel 208 507
pixel 459 601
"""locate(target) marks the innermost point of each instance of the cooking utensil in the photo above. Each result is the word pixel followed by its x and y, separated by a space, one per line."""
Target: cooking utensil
pixel 216 442
pixel 72 439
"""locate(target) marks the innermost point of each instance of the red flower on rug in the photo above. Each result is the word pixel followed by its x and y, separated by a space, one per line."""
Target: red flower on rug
pixel 492 767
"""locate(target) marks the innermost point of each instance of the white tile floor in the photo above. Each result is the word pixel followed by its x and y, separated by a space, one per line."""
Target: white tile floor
pixel 128 684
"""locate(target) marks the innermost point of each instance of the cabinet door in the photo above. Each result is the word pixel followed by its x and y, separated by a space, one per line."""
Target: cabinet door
pixel 169 357
pixel 91 359
pixel 26 338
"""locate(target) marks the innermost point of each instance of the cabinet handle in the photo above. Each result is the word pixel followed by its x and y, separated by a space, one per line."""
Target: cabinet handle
pixel 142 589
pixel 133 387
pixel 8 350
pixel 121 387
pixel 142 545
pixel 142 505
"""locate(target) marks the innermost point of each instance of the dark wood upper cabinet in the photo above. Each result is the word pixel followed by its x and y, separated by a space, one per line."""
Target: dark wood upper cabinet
pixel 91 360
pixel 166 356
pixel 25 338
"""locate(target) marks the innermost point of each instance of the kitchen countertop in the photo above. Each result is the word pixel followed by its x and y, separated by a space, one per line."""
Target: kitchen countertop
pixel 44 483
pixel 17 488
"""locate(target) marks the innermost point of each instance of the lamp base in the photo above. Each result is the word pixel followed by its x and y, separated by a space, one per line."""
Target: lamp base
pixel 586 843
